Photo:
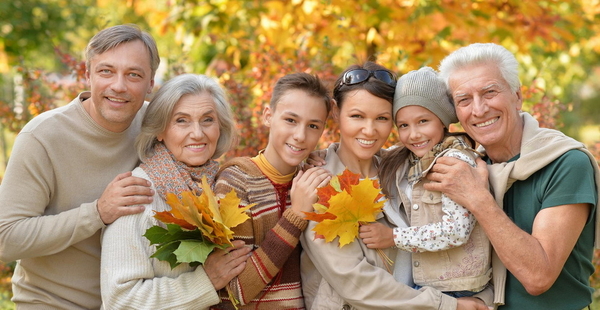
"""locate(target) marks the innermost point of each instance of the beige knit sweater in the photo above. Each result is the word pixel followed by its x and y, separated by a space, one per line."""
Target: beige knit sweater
pixel 60 164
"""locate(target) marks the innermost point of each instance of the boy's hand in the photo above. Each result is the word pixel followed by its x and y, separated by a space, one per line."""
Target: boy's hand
pixel 304 189
pixel 377 236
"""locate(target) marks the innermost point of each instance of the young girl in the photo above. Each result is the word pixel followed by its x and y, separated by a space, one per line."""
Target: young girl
pixel 296 117
pixel 450 251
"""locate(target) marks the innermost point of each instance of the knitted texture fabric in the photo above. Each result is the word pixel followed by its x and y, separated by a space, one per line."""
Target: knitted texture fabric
pixel 424 88
pixel 172 176
pixel 271 279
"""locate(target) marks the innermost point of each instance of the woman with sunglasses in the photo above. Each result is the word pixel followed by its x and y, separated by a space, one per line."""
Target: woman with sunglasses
pixel 354 276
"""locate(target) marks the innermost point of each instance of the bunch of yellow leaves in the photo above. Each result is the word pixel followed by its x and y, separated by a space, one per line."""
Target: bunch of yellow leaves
pixel 195 226
pixel 344 204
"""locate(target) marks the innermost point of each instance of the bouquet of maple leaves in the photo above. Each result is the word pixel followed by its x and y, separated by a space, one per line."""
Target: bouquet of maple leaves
pixel 344 204
pixel 196 225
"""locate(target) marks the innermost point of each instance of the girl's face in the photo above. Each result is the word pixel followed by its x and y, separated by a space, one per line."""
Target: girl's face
pixel 296 126
pixel 365 123
pixel 419 129
pixel 193 130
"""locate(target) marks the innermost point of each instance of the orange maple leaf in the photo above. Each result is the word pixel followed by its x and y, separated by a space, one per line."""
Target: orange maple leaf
pixel 319 217
pixel 338 183
pixel 168 218
pixel 347 179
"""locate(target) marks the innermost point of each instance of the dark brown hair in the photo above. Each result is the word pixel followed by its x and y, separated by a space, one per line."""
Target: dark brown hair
pixel 311 84
pixel 374 86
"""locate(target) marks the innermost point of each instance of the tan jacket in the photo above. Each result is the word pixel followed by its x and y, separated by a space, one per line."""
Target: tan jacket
pixel 354 277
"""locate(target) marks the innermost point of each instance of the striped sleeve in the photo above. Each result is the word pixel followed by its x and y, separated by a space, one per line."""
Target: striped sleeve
pixel 274 240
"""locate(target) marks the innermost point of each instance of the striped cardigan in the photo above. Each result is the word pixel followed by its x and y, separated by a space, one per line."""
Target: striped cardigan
pixel 271 279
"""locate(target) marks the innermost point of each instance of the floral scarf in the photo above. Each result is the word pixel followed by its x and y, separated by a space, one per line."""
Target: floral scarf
pixel 420 166
pixel 172 176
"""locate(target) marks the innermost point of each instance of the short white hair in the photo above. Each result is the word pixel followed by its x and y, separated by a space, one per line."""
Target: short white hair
pixel 479 54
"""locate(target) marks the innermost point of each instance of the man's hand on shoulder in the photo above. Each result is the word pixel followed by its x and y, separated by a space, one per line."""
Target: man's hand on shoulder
pixel 124 195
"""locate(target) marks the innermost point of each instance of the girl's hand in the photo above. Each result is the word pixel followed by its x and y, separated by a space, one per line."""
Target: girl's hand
pixel 377 236
pixel 304 189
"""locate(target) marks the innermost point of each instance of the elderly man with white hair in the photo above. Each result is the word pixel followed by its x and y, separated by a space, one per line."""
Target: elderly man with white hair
pixel 540 216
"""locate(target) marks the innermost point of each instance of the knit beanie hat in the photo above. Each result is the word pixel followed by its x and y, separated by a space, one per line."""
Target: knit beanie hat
pixel 424 88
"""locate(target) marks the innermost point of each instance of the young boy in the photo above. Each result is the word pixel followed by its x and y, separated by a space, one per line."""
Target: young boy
pixel 296 117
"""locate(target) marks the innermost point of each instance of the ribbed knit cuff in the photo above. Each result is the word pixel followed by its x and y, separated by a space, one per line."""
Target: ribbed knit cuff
pixel 295 220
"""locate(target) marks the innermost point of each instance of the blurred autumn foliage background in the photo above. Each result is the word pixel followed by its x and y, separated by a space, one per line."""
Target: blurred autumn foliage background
pixel 248 45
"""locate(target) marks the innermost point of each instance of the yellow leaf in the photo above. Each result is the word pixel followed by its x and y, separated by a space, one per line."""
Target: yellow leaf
pixel 213 217
pixel 320 208
pixel 231 212
pixel 350 210
pixel 211 201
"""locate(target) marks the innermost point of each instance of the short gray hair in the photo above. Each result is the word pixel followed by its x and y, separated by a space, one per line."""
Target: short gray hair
pixel 111 37
pixel 480 54
pixel 161 108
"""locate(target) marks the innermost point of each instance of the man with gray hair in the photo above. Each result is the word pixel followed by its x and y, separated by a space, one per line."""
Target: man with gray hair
pixel 541 217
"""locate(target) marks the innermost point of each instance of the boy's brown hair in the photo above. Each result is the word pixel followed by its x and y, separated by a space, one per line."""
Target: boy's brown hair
pixel 311 84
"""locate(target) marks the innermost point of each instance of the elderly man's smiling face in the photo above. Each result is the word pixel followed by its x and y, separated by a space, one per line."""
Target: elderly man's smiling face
pixel 488 109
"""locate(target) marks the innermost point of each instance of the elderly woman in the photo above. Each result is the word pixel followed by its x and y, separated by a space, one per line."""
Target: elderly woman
pixel 187 125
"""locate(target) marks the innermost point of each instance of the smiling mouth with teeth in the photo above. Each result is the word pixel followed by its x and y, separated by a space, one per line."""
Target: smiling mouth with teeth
pixel 295 149
pixel 367 142
pixel 420 144
pixel 196 146
pixel 487 123
pixel 116 100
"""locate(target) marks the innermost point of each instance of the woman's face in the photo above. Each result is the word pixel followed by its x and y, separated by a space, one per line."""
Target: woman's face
pixel 193 129
pixel 365 123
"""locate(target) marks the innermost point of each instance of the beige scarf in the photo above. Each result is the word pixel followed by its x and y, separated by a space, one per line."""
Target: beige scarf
pixel 420 166
pixel 539 147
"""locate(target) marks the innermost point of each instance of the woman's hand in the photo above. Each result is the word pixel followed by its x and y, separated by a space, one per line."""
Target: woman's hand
pixel 221 266
pixel 471 303
pixel 377 236
pixel 304 189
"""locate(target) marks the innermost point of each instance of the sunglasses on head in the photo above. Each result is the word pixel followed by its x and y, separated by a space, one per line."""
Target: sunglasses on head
pixel 360 75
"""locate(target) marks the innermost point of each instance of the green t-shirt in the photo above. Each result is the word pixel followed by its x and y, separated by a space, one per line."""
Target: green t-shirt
pixel 567 180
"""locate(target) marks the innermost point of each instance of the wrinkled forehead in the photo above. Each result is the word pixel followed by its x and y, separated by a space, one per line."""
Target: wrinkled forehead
pixel 475 79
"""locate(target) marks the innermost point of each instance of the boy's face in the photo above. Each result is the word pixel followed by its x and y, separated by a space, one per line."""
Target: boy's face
pixel 419 129
pixel 295 125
